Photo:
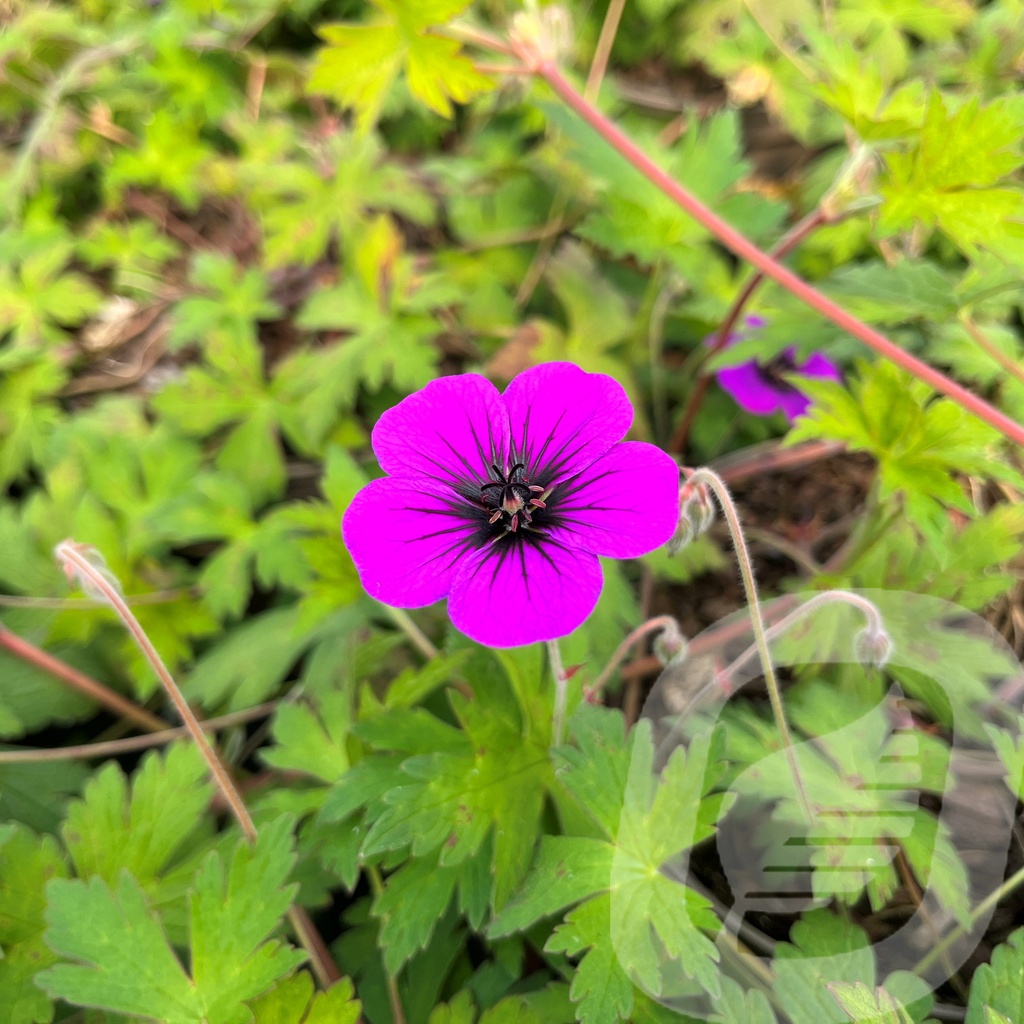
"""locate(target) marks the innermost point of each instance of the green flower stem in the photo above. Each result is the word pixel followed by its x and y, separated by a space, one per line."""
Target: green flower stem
pixel 394 996
pixel 416 636
pixel 544 67
pixel 712 480
pixel 988 903
pixel 561 692
pixel 97 583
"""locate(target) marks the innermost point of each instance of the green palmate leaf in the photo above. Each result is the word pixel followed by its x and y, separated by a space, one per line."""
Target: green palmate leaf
pixel 888 30
pixel 361 62
pixel 919 441
pixel 970 567
pixel 111 829
pixel 413 901
pixel 862 92
pixel 224 317
pixel 250 662
pixel 631 921
pixel 27 413
pixel 492 776
pixel 910 290
pixel 136 250
pixel 170 156
pixel 123 962
pixel 600 987
pixel 735 1004
pixel 998 987
pixel 829 954
pixel 216 506
pixel 635 218
pixel 953 177
pixel 230 390
pixel 312 741
pixel 459 1011
pixel 27 863
pixel 38 297
pixel 303 210
pixel 824 948
pixel 598 318
pixel 386 308
pixel 862 1004
pixel 293 1002
pixel 863 779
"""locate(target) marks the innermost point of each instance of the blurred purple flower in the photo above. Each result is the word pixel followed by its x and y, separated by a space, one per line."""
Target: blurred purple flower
pixel 503 502
pixel 762 388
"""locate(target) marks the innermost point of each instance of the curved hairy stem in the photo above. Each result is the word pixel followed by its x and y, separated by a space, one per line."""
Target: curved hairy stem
pixel 97 582
pixel 721 492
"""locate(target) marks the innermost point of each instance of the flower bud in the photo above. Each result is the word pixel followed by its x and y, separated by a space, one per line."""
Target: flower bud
pixel 873 647
pixel 670 644
pixel 542 35
pixel 696 513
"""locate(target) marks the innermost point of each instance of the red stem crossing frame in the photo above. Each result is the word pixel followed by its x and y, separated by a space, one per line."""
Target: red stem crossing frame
pixel 544 67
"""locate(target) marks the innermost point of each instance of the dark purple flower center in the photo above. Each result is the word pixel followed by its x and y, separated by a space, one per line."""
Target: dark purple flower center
pixel 773 373
pixel 511 502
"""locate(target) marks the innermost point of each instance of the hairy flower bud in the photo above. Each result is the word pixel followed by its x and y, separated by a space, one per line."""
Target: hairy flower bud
pixel 696 513
pixel 670 644
pixel 542 35
pixel 873 647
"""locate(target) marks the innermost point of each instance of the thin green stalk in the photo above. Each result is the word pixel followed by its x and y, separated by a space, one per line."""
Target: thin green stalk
pixel 561 692
pixel 394 996
pixel 988 903
pixel 416 636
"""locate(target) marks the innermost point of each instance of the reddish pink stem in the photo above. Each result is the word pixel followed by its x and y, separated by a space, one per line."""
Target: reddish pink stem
pixel 746 250
pixel 110 699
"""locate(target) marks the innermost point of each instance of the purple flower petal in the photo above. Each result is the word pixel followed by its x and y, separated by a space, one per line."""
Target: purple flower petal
pixel 452 430
pixel 624 505
pixel 562 418
pixel 407 540
pixel 749 389
pixel 819 365
pixel 793 404
pixel 523 593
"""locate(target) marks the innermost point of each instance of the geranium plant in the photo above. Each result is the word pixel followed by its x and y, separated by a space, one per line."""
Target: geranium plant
pixel 471 281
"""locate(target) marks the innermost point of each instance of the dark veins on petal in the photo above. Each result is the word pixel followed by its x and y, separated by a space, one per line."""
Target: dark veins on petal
pixel 772 374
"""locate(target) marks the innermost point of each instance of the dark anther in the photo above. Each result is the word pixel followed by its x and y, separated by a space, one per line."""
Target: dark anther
pixel 511 499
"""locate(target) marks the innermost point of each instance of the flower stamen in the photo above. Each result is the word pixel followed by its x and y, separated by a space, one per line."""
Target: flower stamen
pixel 512 498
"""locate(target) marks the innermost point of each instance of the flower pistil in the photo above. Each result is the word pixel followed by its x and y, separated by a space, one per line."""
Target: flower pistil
pixel 512 496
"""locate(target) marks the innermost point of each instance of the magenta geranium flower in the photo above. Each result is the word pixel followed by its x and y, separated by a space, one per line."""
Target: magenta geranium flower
pixel 503 501
pixel 763 388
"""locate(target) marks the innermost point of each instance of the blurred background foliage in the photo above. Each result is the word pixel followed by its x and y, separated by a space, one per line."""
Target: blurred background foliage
pixel 232 232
